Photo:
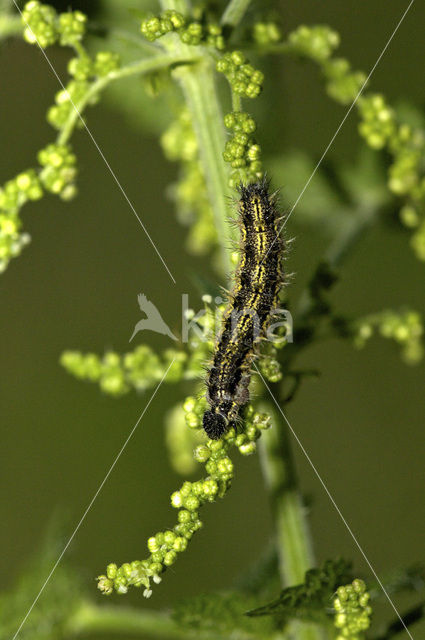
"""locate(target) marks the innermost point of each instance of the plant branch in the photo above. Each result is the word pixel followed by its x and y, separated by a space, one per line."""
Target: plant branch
pixel 101 31
pixel 147 65
pixel 294 543
pixel 201 98
pixel 90 618
pixel 411 616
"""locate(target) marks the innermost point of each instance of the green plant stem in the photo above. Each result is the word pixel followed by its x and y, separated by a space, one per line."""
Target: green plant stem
pixel 234 12
pixel 200 93
pixel 294 544
pixel 236 102
pixel 110 620
pixel 202 101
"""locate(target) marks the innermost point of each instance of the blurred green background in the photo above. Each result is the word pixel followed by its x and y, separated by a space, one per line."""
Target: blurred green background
pixel 75 287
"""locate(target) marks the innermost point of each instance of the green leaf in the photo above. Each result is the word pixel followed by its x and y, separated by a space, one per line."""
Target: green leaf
pixel 409 617
pixel 310 600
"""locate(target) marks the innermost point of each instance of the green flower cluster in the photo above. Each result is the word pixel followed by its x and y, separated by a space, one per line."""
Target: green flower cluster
pixel 404 327
pixel 378 122
pixel 56 176
pixel 179 144
pixel 352 611
pixel 245 441
pixel 45 27
pixel 378 125
pixel 244 79
pixel 268 363
pixel 404 173
pixel 85 71
pixel 193 408
pixel 154 27
pixel 26 186
pixel 241 150
pixel 318 44
pixel 192 33
pixel 140 369
pixel 406 177
pixel 165 546
pixel 266 33
pixel 342 84
pixel 59 170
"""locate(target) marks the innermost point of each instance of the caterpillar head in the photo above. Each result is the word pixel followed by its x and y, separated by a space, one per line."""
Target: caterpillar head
pixel 215 424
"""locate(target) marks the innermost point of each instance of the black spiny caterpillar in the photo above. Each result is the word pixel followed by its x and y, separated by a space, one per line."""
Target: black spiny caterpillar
pixel 258 280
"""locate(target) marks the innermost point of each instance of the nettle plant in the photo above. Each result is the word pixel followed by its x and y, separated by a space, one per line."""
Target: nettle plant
pixel 187 52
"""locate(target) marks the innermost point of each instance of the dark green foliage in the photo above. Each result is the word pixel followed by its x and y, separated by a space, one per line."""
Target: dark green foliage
pixel 415 614
pixel 312 599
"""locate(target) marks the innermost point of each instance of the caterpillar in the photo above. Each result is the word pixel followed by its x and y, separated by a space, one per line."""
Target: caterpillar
pixel 258 280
